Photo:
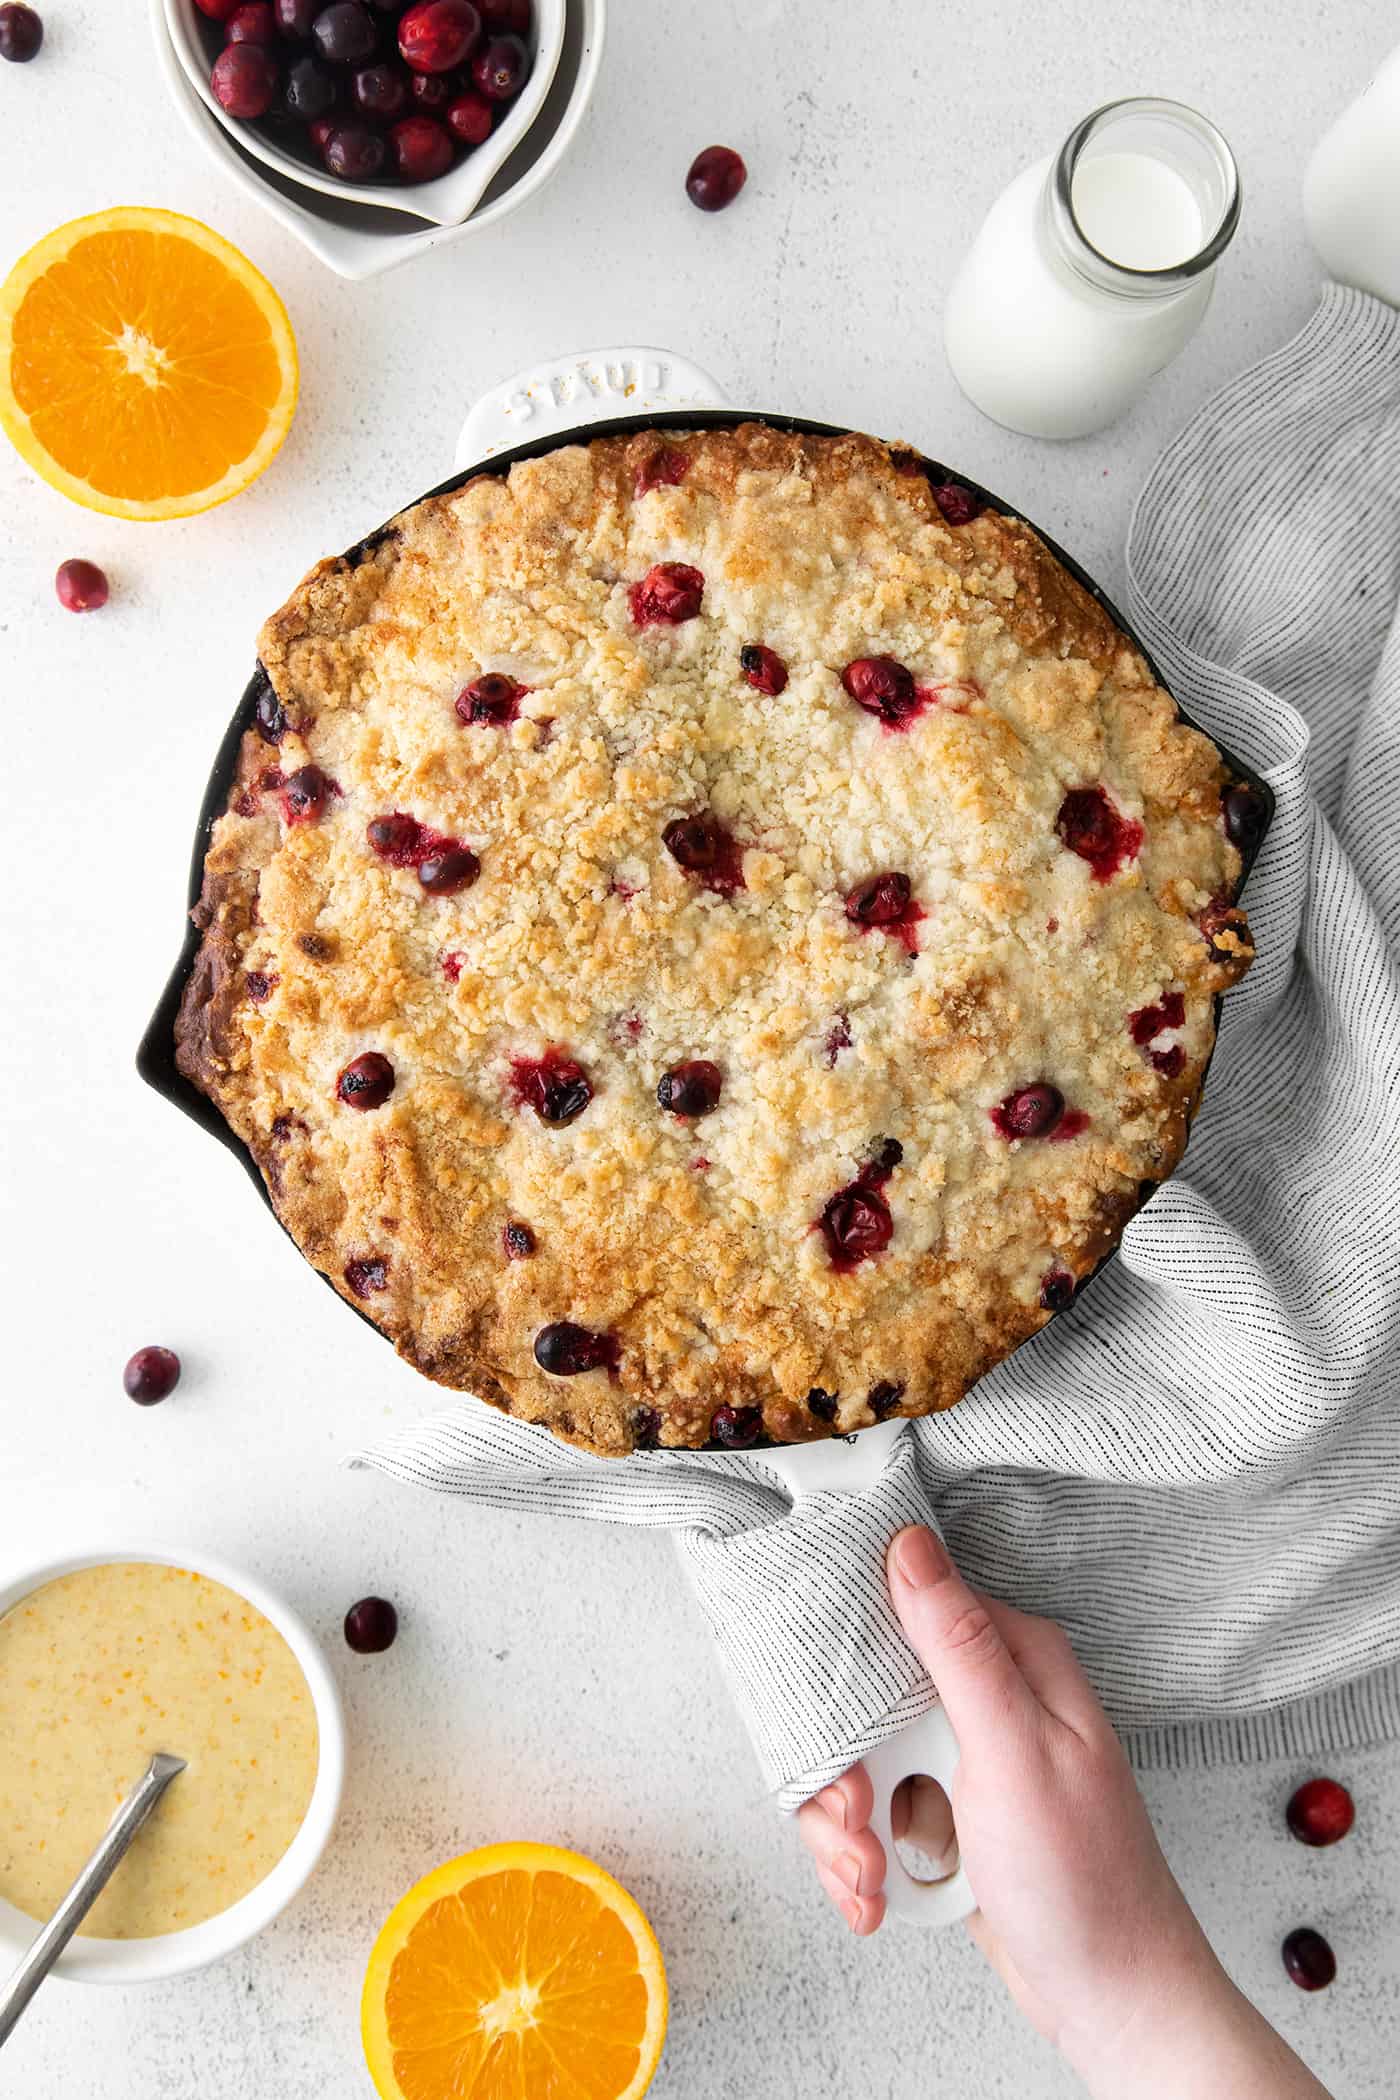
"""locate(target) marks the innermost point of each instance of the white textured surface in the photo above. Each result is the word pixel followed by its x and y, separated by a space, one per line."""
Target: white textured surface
pixel 548 1681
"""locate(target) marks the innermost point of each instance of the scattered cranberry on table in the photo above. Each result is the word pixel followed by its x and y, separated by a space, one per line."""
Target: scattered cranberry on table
pixel 1308 1959
pixel 371 1626
pixel 81 586
pixel 21 33
pixel 151 1375
pixel 715 179
pixel 1320 1812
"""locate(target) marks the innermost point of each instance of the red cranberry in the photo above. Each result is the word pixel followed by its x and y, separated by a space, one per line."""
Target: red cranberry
pixel 667 595
pixel 444 874
pixel 736 1427
pixel 764 669
pixel 469 118
pixel 371 1626
pixel 518 1240
pixel 646 1429
pixel 493 698
pixel 715 178
pixel 420 150
pixel 856 1224
pixel 353 152
pixel 704 848
pixel 244 80
pixel 151 1375
pixel 565 1349
pixel 1056 1290
pixel 506 17
pixel 882 687
pixel 822 1404
pixel 1320 1812
pixel 1031 1112
pixel 294 18
pixel 1090 826
pixel 81 586
pixel 310 91
pixel 1220 918
pixel 304 796
pixel 438 34
pixel 269 715
pixel 219 10
pixel 379 91
pixel 452 965
pixel 433 91
pixel 21 33
pixel 395 837
pixel 958 505
pixel 252 23
pixel 1171 1063
pixel 556 1087
pixel 1150 1021
pixel 663 467
pixel 500 68
pixel 260 985
pixel 881 901
pixel 1245 815
pixel 837 1039
pixel 367 1273
pixel 367 1081
pixel 883 1399
pixel 1308 1959
pixel 345 33
pixel 692 1089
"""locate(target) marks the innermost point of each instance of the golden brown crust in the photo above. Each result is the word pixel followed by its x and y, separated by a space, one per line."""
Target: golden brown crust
pixel 696 1245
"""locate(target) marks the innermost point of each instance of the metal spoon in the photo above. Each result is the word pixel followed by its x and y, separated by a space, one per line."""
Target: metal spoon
pixel 54 1936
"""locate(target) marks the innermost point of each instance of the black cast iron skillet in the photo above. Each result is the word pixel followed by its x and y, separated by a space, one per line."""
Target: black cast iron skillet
pixel 155 1059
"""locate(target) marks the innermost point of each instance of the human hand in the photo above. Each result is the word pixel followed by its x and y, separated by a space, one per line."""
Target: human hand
pixel 1078 1911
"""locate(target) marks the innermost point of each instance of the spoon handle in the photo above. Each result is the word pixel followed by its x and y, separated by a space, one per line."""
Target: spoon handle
pixel 54 1937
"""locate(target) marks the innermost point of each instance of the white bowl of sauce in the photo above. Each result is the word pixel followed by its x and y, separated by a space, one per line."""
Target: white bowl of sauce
pixel 109 1655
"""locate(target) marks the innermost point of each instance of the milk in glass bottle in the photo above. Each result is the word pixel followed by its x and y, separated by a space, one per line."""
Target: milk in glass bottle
pixel 1093 269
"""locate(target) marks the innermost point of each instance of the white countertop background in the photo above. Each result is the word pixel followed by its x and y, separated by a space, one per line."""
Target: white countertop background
pixel 550 1680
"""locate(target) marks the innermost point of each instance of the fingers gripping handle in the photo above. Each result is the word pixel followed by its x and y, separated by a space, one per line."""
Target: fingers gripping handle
pixel 928 1746
pixel 567 392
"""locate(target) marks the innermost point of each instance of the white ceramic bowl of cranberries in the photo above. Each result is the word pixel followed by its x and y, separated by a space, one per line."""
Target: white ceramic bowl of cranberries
pixel 410 105
pixel 360 241
pixel 87 1960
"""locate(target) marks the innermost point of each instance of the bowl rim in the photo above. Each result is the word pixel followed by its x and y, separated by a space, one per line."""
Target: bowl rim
pixel 91 1960
pixel 455 194
pixel 155 1056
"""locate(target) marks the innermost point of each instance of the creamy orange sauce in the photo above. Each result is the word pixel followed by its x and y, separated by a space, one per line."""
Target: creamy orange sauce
pixel 98 1671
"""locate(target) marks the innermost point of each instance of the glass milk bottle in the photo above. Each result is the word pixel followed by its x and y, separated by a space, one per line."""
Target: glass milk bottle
pixel 1093 269
pixel 1351 192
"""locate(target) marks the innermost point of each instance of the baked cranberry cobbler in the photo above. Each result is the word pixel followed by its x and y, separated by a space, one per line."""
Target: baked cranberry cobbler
pixel 711 935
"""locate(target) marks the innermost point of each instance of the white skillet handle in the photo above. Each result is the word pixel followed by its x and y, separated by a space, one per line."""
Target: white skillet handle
pixel 927 1745
pixel 569 391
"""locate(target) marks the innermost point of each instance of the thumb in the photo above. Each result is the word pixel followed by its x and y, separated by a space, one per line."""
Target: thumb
pixel 956 1638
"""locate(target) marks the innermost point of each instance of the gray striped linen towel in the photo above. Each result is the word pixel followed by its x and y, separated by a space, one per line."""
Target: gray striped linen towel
pixel 1197 1470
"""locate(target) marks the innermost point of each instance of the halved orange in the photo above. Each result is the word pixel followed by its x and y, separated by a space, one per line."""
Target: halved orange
pixel 519 1972
pixel 146 368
